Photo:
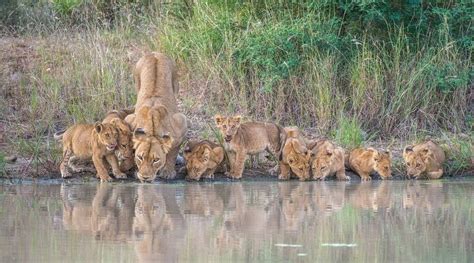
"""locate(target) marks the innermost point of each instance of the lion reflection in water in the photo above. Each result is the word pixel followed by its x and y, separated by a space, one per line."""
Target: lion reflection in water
pixel 159 220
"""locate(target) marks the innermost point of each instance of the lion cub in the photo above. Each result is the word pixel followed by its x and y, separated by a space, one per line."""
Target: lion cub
pixel 328 160
pixel 124 151
pixel 366 161
pixel 425 158
pixel 202 159
pixel 251 138
pixel 295 157
pixel 97 141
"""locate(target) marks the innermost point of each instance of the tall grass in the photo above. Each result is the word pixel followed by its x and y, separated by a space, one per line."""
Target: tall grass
pixel 387 70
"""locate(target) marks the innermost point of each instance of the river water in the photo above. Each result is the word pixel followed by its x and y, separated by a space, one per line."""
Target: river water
pixel 378 221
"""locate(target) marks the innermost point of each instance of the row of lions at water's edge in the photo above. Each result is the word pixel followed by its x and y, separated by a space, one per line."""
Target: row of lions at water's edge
pixel 148 137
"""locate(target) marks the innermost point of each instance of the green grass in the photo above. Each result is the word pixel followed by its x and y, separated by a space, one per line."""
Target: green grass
pixel 349 133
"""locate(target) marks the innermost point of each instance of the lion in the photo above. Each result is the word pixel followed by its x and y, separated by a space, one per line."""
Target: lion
pixel 150 154
pixel 424 159
pixel 124 150
pixel 366 161
pixel 250 138
pixel 97 141
pixel 328 160
pixel 295 157
pixel 202 159
pixel 156 112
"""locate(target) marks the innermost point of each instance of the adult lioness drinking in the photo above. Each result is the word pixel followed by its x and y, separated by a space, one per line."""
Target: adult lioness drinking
pixel 156 112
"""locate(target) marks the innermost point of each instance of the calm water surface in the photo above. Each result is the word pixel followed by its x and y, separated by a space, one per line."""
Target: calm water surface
pixel 392 221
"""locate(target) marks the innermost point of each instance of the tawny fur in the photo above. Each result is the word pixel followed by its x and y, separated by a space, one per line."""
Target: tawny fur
pixel 202 159
pixel 424 159
pixel 328 160
pixel 89 141
pixel 247 138
pixel 295 156
pixel 367 161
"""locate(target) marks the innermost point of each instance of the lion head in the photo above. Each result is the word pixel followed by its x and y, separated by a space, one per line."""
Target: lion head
pixel 199 157
pixel 125 149
pixel 297 155
pixel 150 154
pixel 323 162
pixel 416 160
pixel 383 163
pixel 228 126
pixel 107 135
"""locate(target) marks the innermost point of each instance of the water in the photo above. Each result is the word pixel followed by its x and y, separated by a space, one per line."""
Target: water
pixel 379 221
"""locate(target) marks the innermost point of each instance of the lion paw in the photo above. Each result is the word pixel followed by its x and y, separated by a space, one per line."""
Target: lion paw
pixel 120 175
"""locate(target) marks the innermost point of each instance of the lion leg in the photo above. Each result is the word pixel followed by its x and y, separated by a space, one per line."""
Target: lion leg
pixel 238 166
pixel 341 175
pixel 435 174
pixel 112 160
pixel 284 171
pixel 99 164
pixel 64 164
pixel 87 167
pixel 169 171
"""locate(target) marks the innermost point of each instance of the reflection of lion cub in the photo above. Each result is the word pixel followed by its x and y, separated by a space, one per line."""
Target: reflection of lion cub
pixel 329 160
pixel 202 159
pixel 295 157
pixel 248 138
pixel 425 158
pixel 85 141
pixel 366 161
pixel 156 111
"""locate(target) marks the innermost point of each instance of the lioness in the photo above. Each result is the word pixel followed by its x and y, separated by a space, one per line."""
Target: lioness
pixel 295 157
pixel 328 160
pixel 202 159
pixel 366 161
pixel 156 112
pixel 96 141
pixel 150 154
pixel 424 159
pixel 248 138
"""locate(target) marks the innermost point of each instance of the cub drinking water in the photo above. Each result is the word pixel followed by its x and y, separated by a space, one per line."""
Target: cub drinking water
pixel 424 159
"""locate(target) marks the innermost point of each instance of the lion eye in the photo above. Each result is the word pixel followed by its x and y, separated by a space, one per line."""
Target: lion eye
pixel 124 145
pixel 140 157
pixel 156 160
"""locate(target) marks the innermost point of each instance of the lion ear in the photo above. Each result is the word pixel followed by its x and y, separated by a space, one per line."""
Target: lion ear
pixel 98 127
pixel 219 119
pixel 329 152
pixel 166 142
pixel 407 149
pixel 237 119
pixel 292 133
pixel 138 135
pixel 160 112
pixel 376 156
